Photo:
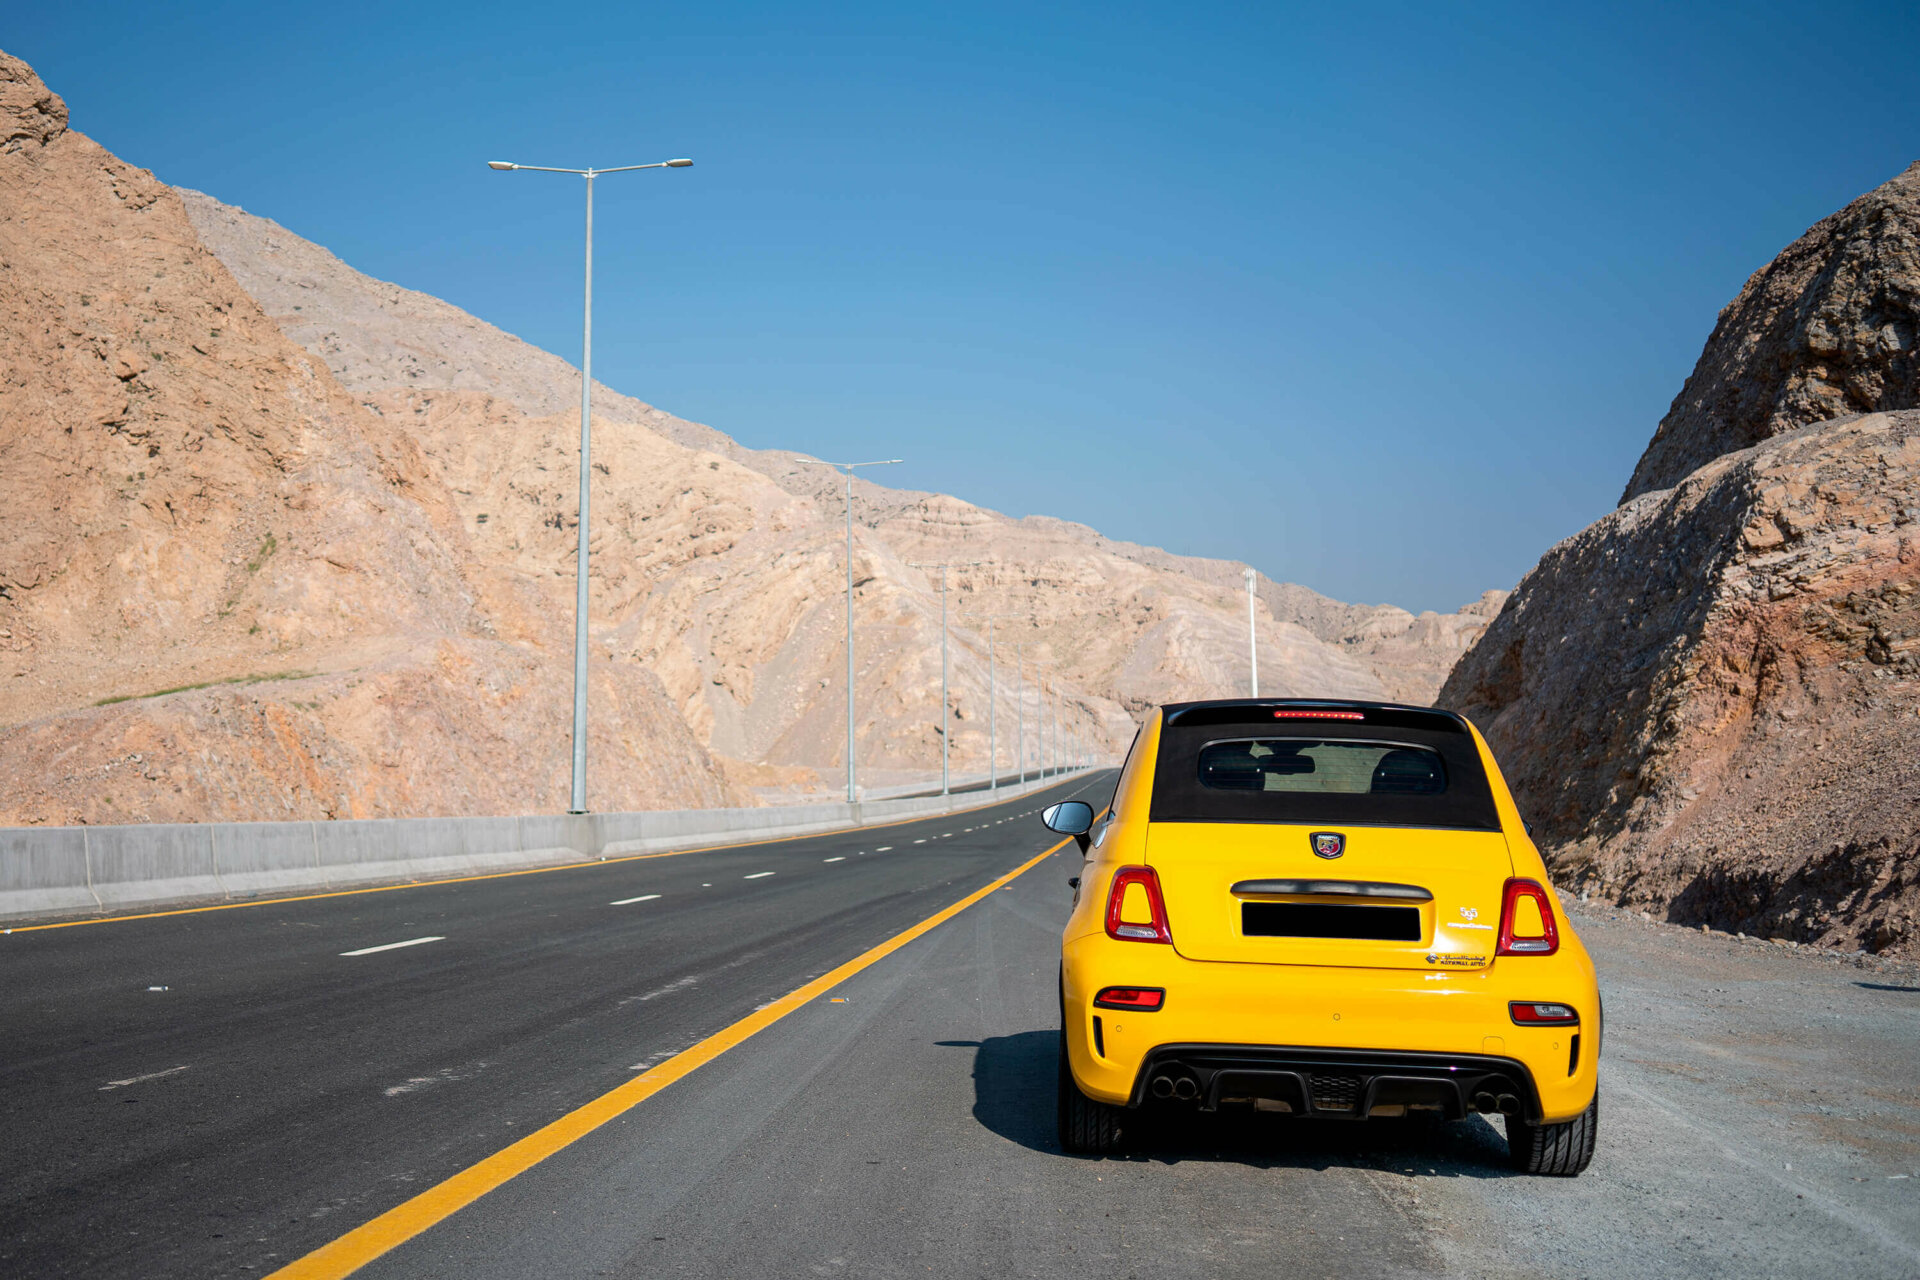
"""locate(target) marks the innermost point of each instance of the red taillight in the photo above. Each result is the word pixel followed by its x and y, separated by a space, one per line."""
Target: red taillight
pixel 1318 715
pixel 1541 1013
pixel 1145 999
pixel 1526 921
pixel 1133 930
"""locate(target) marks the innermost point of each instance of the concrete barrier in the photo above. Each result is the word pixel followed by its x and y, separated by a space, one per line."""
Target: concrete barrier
pixel 55 870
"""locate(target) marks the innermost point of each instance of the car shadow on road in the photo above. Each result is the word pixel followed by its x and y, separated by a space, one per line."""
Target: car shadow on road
pixel 1013 1095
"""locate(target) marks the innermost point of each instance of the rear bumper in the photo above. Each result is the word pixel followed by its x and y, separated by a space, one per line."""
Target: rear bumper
pixel 1380 1023
pixel 1344 1084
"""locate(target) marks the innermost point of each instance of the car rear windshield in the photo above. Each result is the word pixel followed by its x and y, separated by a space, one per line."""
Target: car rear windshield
pixel 1313 764
pixel 1413 770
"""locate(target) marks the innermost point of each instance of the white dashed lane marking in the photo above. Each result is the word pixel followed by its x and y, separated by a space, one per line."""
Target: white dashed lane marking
pixel 151 1075
pixel 645 897
pixel 758 875
pixel 392 946
pixel 883 848
pixel 841 858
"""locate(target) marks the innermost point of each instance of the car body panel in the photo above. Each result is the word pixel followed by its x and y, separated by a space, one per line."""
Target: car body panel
pixel 1225 988
pixel 1200 863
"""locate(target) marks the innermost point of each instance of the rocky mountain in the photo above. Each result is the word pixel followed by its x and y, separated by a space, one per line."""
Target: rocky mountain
pixel 1124 626
pixel 1831 327
pixel 192 500
pixel 379 338
pixel 1708 701
pixel 291 542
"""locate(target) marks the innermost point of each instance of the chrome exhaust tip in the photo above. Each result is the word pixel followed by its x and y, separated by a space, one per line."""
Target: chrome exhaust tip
pixel 1162 1086
pixel 1509 1105
pixel 1485 1103
pixel 1185 1089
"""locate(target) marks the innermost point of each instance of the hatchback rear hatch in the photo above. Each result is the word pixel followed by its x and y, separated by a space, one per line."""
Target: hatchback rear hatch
pixel 1349 834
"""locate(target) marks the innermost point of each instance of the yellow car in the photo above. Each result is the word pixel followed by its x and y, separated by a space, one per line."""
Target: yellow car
pixel 1321 909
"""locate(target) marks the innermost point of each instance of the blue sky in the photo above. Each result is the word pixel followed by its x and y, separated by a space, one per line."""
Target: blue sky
pixel 1381 298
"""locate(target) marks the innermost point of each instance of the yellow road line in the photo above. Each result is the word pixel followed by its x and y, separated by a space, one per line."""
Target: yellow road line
pixel 492 875
pixel 350 1252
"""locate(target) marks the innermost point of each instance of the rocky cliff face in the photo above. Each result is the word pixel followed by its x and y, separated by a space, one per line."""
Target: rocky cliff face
pixel 735 599
pixel 1708 701
pixel 378 338
pixel 192 500
pixel 317 559
pixel 1826 329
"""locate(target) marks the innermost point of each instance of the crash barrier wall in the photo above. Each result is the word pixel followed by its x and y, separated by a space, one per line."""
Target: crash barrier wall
pixel 47 870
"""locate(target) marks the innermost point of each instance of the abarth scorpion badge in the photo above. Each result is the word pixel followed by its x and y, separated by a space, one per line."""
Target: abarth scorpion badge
pixel 1328 844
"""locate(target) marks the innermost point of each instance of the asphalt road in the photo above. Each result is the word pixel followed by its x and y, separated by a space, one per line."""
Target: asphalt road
pixel 1759 1113
pixel 218 1093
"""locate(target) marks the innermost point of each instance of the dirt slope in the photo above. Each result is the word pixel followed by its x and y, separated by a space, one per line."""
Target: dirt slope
pixel 379 338
pixel 193 499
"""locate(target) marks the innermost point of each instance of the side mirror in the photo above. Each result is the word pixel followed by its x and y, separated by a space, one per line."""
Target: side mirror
pixel 1070 818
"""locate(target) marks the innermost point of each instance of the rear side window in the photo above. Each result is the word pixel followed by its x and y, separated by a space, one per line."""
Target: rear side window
pixel 1396 767
pixel 1317 765
pixel 1126 772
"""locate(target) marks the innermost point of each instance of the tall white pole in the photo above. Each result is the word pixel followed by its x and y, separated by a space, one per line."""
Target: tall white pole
pixel 1020 705
pixel 945 735
pixel 993 747
pixel 1253 636
pixel 945 727
pixel 993 700
pixel 577 803
pixel 852 796
pixel 1049 725
pixel 1040 720
pixel 577 798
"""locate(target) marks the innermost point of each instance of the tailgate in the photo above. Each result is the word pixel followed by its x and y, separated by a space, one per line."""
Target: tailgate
pixel 1396 898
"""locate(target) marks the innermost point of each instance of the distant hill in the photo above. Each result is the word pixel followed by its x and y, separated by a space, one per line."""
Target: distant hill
pixel 378 337
pixel 286 541
pixel 1129 626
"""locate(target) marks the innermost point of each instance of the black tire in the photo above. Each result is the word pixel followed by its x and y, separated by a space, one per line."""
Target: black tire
pixel 1087 1127
pixel 1555 1150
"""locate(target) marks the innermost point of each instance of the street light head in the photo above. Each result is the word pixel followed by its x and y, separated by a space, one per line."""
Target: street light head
pixel 679 164
pixel 501 164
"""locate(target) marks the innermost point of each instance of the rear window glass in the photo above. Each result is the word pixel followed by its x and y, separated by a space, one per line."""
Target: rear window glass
pixel 1311 764
pixel 1388 767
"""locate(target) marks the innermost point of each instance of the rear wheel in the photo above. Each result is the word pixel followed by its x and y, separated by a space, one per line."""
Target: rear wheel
pixel 1555 1150
pixel 1087 1127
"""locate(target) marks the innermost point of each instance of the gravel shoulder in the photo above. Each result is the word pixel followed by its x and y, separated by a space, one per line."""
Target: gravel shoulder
pixel 1760 1110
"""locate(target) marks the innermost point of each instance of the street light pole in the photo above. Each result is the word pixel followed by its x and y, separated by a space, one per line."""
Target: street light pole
pixel 1039 716
pixel 993 706
pixel 1253 637
pixel 944 734
pixel 1020 707
pixel 577 801
pixel 1040 720
pixel 848 468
